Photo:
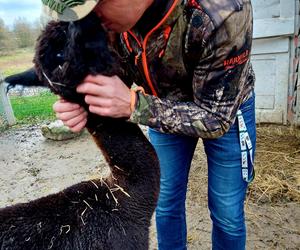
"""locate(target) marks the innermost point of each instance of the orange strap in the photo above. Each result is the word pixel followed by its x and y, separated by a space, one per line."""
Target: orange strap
pixel 195 4
pixel 133 96
pixel 134 36
pixel 125 35
pixel 132 100
pixel 167 32
pixel 144 45
pixel 144 55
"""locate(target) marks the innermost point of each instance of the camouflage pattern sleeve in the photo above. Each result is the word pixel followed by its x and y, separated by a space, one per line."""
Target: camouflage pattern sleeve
pixel 172 117
pixel 222 80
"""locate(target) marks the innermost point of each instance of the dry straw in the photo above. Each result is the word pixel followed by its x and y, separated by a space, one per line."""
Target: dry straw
pixel 277 165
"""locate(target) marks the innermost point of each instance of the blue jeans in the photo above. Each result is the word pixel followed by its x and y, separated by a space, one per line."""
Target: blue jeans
pixel 226 188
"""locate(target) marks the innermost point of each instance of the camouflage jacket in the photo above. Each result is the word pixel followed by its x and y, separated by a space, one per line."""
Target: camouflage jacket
pixel 198 64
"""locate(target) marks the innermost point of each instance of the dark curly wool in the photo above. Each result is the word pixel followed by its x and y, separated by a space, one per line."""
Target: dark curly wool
pixel 18 79
pixel 67 52
pixel 113 213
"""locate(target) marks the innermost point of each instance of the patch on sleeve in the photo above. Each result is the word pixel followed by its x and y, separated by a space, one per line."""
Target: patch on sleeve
pixel 199 30
pixel 240 58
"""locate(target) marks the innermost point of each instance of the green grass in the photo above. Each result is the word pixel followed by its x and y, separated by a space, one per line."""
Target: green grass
pixel 27 109
pixel 32 109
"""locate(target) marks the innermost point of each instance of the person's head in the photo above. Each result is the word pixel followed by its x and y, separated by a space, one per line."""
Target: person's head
pixel 116 15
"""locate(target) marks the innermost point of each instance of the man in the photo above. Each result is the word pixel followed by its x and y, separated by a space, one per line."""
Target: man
pixel 192 59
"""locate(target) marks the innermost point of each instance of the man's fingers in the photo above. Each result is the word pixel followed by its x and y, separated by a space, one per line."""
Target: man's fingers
pixel 73 115
pixel 79 126
pixel 76 120
pixel 91 83
pixel 97 101
pixel 90 88
pixel 99 110
pixel 65 116
pixel 62 106
pixel 98 79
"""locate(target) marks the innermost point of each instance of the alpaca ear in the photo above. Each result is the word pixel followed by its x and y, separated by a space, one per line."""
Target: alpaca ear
pixel 27 78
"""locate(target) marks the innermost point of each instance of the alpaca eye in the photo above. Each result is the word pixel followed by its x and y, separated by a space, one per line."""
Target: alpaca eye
pixel 60 58
pixel 60 55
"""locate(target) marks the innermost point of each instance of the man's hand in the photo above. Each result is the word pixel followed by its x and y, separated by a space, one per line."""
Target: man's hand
pixel 106 96
pixel 72 115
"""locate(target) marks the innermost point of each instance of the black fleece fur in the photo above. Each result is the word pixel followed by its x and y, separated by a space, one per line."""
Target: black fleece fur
pixel 95 214
pixel 27 78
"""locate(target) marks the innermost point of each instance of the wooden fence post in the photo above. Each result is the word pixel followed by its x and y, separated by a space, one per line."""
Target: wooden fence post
pixel 6 112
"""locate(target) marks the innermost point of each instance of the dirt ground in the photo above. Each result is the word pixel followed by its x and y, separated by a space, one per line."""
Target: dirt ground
pixel 32 166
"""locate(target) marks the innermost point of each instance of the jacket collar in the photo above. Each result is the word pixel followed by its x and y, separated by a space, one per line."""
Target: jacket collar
pixel 153 15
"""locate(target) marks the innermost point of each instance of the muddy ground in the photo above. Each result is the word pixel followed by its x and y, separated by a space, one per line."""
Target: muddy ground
pixel 32 166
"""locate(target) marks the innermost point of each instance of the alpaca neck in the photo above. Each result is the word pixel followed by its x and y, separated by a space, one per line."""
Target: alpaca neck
pixel 131 157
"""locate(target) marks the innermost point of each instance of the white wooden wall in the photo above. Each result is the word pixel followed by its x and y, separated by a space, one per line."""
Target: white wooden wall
pixel 270 59
pixel 274 29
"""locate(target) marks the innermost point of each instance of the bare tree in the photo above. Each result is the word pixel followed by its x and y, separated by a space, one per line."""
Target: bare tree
pixel 7 40
pixel 25 32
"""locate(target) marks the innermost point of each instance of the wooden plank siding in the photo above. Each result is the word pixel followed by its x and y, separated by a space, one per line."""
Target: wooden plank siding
pixel 6 113
pixel 275 26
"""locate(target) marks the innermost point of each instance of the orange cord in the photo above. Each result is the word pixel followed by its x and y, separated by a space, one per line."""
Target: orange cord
pixel 125 35
pixel 144 56
pixel 133 96
pixel 132 100
pixel 144 45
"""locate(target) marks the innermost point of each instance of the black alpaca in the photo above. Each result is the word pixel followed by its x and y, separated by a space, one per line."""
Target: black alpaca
pixel 112 213
pixel 27 78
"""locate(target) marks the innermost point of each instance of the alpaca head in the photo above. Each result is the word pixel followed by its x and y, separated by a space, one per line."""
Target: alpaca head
pixel 67 52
